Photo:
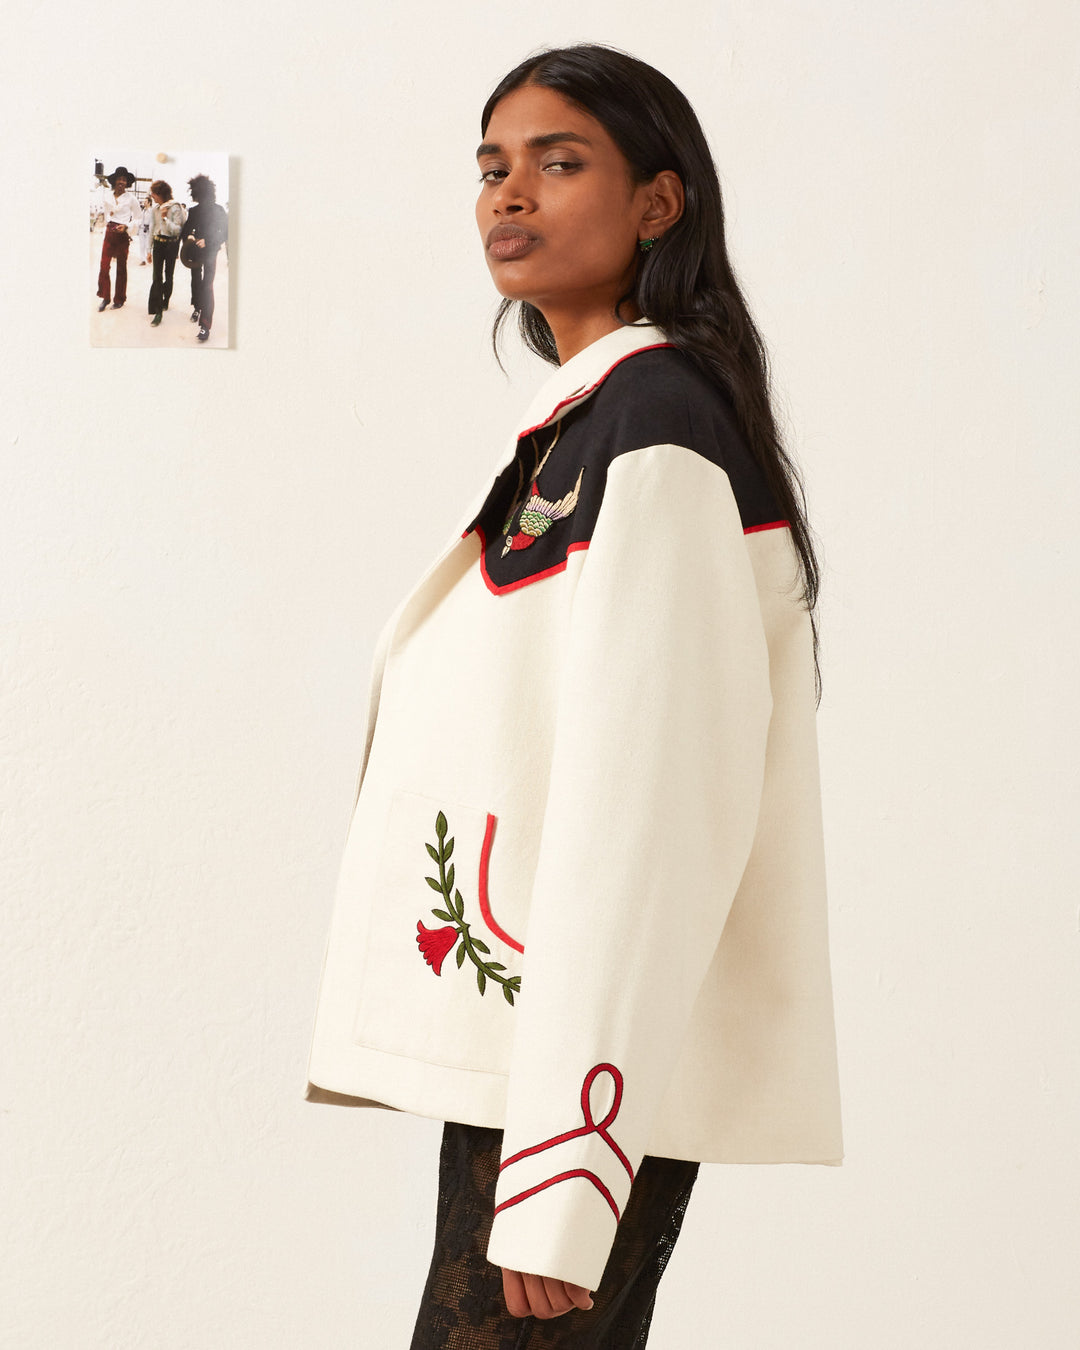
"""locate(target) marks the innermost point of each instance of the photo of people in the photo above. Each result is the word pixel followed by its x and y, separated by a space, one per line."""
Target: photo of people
pixel 159 249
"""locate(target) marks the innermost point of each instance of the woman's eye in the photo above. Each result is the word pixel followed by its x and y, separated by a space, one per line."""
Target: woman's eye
pixel 558 166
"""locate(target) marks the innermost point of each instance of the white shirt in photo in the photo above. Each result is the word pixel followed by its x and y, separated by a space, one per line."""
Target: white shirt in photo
pixel 124 210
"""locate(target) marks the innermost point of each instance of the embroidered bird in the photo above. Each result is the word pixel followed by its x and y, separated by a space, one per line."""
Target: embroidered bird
pixel 538 515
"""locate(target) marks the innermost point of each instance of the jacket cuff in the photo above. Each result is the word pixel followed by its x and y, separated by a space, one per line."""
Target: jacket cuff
pixel 559 1201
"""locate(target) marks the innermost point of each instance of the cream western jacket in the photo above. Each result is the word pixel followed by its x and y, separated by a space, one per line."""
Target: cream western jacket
pixel 583 896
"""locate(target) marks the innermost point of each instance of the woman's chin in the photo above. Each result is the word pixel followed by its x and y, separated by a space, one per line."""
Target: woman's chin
pixel 517 297
pixel 510 291
pixel 515 281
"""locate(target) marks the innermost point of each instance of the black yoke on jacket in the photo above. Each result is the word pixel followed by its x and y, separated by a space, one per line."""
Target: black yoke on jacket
pixel 655 397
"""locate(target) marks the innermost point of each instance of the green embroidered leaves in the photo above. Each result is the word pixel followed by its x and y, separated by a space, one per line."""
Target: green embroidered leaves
pixel 436 943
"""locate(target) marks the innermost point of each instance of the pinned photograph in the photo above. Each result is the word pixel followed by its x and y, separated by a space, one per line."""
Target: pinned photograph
pixel 159 249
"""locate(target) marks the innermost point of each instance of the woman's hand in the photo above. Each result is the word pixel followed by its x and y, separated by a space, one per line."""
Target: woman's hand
pixel 537 1296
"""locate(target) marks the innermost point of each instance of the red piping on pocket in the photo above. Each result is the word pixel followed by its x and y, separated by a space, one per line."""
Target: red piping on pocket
pixel 485 905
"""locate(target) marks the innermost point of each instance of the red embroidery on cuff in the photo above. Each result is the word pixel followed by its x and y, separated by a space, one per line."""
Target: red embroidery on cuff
pixel 564 1176
pixel 590 1127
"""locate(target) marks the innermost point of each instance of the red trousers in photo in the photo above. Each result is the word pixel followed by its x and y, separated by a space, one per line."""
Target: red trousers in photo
pixel 114 245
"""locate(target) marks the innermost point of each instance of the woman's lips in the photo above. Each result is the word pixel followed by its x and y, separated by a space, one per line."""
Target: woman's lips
pixel 509 245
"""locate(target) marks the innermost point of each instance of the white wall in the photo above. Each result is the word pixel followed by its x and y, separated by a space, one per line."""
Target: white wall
pixel 198 548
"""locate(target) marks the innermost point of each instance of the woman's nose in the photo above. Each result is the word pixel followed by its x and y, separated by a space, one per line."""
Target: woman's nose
pixel 511 195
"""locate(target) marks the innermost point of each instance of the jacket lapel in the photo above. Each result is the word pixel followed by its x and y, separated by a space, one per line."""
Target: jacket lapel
pixel 568 387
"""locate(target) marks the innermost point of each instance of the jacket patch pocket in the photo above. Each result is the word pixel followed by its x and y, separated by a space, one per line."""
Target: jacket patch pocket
pixel 441 977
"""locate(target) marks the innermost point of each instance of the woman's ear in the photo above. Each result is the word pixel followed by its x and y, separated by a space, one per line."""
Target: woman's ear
pixel 667 201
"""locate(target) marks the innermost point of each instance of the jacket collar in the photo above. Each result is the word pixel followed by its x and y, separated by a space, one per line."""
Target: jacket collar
pixel 573 382
pixel 566 388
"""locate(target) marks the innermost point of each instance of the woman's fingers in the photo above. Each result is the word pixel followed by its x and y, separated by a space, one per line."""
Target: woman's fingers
pixel 539 1303
pixel 579 1295
pixel 517 1302
pixel 539 1296
pixel 558 1296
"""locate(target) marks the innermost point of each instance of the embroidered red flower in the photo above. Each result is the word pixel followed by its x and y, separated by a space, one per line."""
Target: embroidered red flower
pixel 434 943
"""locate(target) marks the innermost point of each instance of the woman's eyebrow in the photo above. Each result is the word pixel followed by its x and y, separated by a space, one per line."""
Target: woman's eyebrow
pixel 536 142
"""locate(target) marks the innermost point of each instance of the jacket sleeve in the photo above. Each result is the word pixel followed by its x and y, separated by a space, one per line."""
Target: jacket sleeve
pixel 218 228
pixel 173 220
pixel 656 779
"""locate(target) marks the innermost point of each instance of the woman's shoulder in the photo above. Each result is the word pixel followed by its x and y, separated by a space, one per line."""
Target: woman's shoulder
pixel 658 396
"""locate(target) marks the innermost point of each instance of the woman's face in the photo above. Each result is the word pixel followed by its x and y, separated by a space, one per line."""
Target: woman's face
pixel 558 214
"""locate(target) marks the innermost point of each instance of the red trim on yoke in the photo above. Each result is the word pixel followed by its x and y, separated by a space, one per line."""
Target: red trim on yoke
pixel 485 906
pixel 496 589
pixel 588 389
pixel 578 547
pixel 575 397
pixel 772 525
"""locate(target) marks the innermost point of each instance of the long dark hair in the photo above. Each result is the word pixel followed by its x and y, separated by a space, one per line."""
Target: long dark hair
pixel 685 283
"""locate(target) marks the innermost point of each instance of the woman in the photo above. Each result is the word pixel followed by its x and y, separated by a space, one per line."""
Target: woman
pixel 206 228
pixel 168 220
pixel 589 785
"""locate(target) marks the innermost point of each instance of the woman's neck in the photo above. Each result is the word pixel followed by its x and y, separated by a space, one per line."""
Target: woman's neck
pixel 573 331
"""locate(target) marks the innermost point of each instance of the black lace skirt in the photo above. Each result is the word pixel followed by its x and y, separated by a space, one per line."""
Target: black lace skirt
pixel 463 1307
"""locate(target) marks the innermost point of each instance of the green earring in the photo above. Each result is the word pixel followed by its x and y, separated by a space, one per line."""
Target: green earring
pixel 646 244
